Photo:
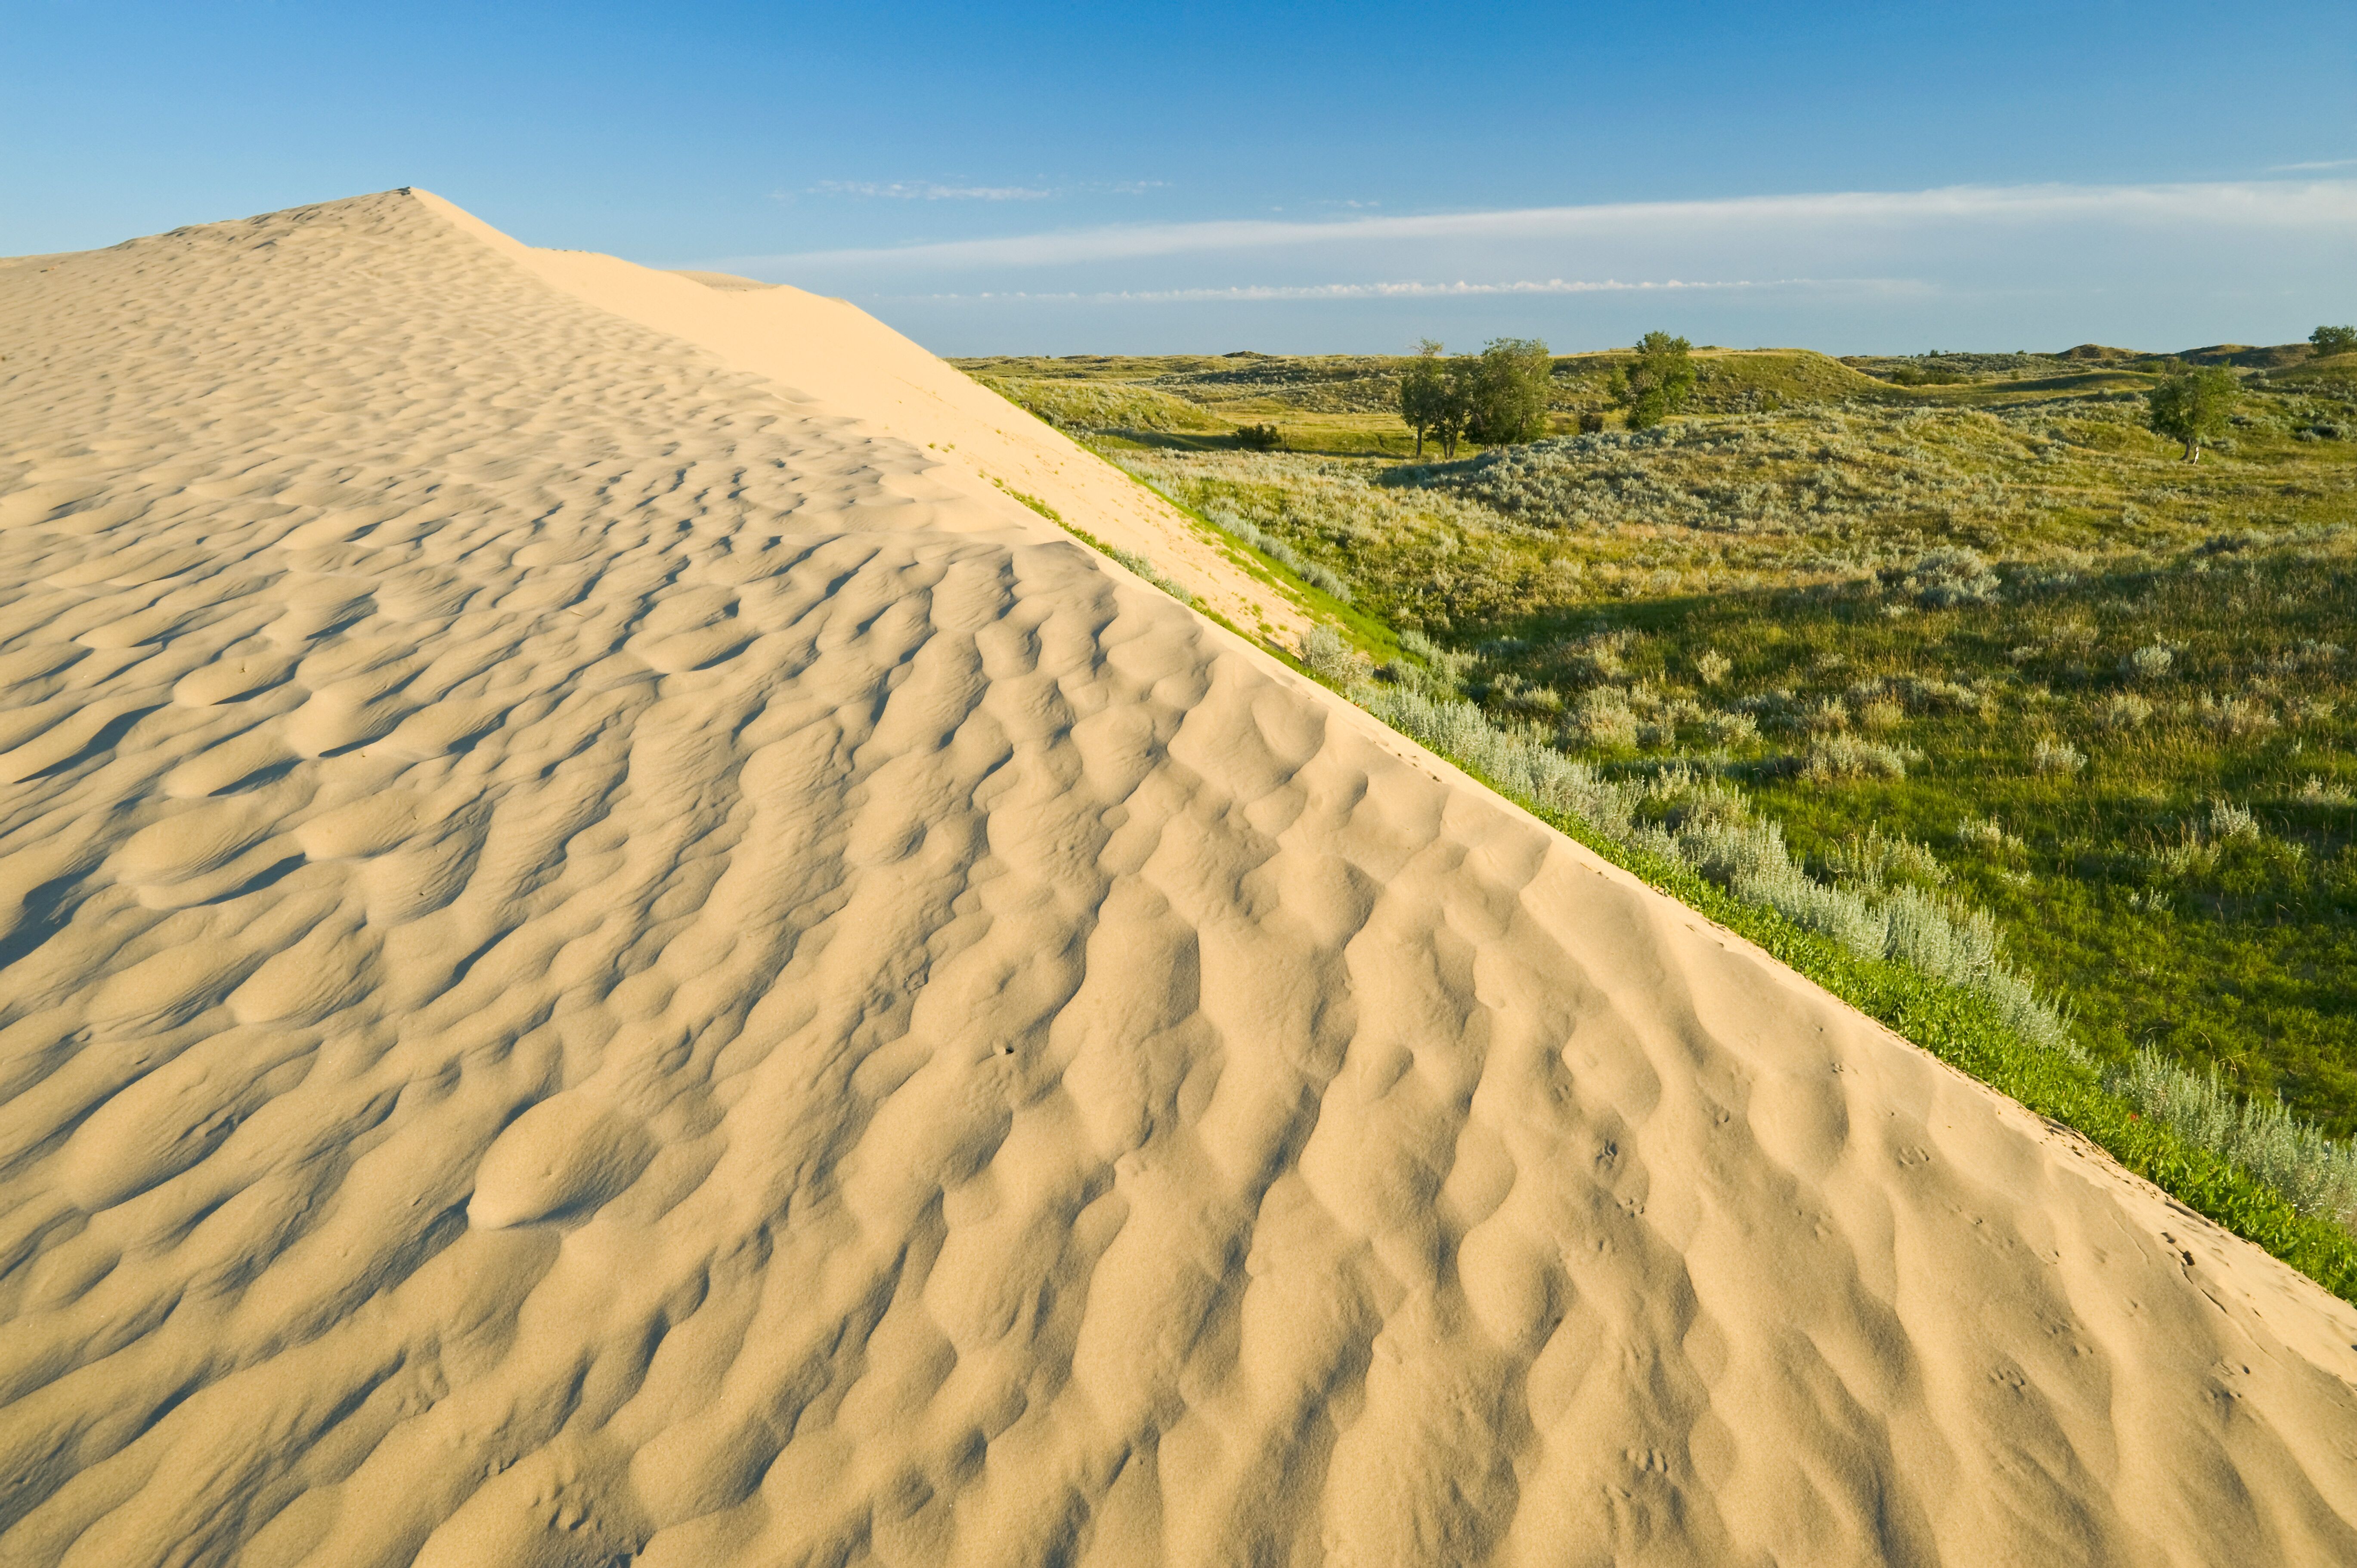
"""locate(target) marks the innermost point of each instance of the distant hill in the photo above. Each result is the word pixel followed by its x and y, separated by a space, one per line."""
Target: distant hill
pixel 1729 380
pixel 1349 403
pixel 2279 357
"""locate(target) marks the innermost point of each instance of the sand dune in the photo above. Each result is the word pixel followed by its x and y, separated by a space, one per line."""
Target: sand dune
pixel 839 359
pixel 612 956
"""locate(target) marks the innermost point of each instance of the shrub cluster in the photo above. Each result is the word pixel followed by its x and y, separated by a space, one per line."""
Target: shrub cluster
pixel 2318 1173
pixel 1098 405
pixel 1245 531
pixel 1152 573
pixel 1706 826
pixel 2061 635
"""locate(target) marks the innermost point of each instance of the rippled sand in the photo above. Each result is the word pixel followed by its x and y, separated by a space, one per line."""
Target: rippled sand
pixel 612 955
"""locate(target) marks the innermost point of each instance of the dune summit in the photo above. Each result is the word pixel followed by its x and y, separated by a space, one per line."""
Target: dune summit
pixel 613 956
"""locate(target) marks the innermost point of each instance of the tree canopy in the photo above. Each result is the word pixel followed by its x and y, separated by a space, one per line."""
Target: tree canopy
pixel 1424 393
pixel 1510 386
pixel 2333 340
pixel 1499 396
pixel 1656 384
pixel 2193 406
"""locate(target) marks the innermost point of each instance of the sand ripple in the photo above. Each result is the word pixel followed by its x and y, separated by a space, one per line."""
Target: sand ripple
pixel 606 966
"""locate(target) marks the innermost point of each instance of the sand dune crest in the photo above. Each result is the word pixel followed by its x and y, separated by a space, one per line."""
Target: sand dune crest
pixel 610 958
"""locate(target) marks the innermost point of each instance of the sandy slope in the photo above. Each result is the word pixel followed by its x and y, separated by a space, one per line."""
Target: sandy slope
pixel 837 357
pixel 611 961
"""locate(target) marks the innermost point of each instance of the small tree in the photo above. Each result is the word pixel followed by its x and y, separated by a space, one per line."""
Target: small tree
pixel 1424 392
pixel 1460 394
pixel 2333 340
pixel 2192 406
pixel 1656 384
pixel 1459 401
pixel 1510 387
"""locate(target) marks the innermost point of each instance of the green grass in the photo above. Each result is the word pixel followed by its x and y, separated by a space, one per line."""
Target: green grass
pixel 1342 404
pixel 2238 953
pixel 2111 879
pixel 1964 1031
pixel 1918 630
pixel 1073 405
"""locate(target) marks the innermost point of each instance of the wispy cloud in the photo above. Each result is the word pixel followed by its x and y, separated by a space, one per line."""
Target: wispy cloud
pixel 934 190
pixel 926 190
pixel 2312 168
pixel 1291 292
pixel 2259 204
pixel 2162 264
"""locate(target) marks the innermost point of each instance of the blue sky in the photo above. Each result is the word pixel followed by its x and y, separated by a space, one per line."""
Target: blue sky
pixel 1066 178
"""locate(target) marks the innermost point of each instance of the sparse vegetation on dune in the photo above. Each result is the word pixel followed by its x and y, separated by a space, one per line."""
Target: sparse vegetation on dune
pixel 1928 967
pixel 1976 680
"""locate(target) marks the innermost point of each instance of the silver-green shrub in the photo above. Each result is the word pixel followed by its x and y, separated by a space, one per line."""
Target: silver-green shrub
pixel 1151 572
pixel 1847 756
pixel 2057 757
pixel 2319 1174
pixel 1333 660
pixel 1244 530
pixel 1709 827
pixel 1947 577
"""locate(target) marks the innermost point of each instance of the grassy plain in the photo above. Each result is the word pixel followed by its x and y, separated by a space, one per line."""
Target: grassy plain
pixel 1961 605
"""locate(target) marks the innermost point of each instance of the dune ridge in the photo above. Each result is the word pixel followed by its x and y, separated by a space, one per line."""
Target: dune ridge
pixel 610 960
pixel 837 357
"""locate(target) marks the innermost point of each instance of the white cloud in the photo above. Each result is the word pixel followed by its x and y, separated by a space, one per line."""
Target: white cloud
pixel 2265 204
pixel 931 190
pixel 2303 168
pixel 1294 292
pixel 2255 261
pixel 926 190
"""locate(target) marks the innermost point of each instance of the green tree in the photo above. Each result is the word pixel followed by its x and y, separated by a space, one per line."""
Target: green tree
pixel 1510 386
pixel 2192 406
pixel 1460 394
pixel 1498 396
pixel 2333 340
pixel 1656 384
pixel 1424 392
